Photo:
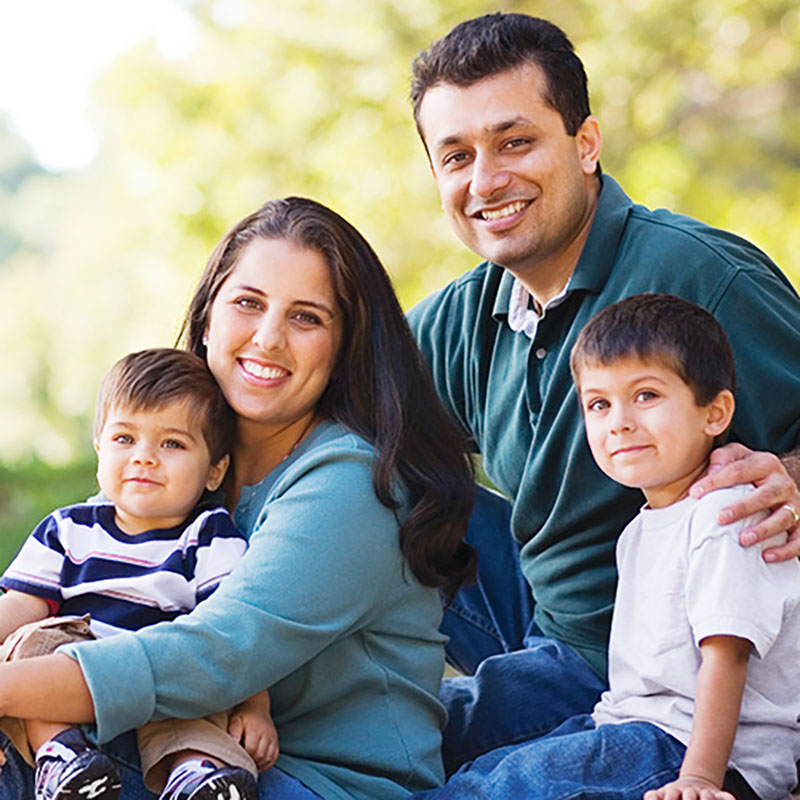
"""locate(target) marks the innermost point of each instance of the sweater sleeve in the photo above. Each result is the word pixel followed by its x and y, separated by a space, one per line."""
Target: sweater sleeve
pixel 321 553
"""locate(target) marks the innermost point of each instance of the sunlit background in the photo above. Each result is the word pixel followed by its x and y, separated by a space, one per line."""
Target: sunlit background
pixel 133 133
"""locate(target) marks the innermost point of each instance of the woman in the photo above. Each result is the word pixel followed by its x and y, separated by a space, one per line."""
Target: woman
pixel 350 481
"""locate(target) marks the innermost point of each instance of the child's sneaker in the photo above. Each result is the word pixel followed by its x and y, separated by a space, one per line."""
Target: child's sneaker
pixel 202 780
pixel 69 768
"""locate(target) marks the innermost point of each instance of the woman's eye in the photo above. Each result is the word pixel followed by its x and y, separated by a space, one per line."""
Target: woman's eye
pixel 306 318
pixel 249 303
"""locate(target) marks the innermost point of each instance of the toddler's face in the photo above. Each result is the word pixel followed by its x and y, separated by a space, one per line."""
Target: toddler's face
pixel 154 465
pixel 644 427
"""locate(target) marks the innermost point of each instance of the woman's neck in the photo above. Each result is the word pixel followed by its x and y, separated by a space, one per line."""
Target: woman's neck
pixel 259 449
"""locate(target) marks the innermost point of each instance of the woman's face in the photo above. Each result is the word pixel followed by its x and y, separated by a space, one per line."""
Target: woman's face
pixel 274 331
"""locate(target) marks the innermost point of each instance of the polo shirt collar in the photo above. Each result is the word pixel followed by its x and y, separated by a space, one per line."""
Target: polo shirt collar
pixel 598 254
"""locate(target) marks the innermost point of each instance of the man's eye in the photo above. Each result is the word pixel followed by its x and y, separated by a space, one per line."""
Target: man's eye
pixel 454 159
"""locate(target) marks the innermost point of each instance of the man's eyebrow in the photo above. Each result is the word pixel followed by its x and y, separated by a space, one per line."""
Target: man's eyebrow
pixel 497 127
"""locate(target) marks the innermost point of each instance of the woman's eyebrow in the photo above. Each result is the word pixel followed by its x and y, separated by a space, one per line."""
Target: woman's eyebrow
pixel 246 287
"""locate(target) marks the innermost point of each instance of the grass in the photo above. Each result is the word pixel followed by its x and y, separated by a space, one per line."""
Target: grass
pixel 30 491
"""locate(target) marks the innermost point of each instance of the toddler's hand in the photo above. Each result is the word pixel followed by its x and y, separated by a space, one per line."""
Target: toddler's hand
pixel 689 788
pixel 256 732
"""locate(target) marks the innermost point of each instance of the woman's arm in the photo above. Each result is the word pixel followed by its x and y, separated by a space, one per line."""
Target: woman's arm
pixel 720 684
pixel 48 688
pixel 317 568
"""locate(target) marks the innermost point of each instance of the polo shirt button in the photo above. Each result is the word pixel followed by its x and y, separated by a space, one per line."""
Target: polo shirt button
pixel 540 353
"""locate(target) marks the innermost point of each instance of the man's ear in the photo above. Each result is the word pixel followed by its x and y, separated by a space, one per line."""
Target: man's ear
pixel 216 472
pixel 720 413
pixel 589 141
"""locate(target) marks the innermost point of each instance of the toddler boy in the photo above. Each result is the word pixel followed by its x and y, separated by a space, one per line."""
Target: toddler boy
pixel 155 548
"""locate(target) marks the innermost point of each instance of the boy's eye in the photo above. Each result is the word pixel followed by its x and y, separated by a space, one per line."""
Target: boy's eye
pixel 173 444
pixel 645 395
pixel 599 404
pixel 122 438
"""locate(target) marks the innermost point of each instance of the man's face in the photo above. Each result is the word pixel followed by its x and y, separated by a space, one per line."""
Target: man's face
pixel 517 188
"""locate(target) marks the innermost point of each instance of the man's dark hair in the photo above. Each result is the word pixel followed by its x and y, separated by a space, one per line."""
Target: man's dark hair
pixel 485 46
pixel 150 380
pixel 683 336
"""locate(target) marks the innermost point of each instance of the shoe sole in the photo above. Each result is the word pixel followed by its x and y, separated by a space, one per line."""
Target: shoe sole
pixel 224 788
pixel 99 782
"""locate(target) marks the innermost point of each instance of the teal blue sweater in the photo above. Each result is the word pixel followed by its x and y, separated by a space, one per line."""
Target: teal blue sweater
pixel 324 612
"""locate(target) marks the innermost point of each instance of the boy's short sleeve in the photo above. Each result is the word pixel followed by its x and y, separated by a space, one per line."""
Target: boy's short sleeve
pixel 730 589
pixel 218 548
pixel 36 569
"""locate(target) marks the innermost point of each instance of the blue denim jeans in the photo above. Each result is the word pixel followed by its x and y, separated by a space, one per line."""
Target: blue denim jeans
pixel 518 684
pixel 576 761
pixel 16 779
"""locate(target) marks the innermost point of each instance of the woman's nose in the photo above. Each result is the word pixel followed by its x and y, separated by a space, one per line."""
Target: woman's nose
pixel 269 334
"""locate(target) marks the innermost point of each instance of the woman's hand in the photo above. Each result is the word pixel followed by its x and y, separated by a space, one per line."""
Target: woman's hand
pixel 776 491
pixel 689 788
pixel 252 726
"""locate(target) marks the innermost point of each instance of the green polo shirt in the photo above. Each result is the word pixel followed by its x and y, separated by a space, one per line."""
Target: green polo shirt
pixel 516 400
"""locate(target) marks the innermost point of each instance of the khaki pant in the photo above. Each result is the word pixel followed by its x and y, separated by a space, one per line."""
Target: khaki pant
pixel 158 741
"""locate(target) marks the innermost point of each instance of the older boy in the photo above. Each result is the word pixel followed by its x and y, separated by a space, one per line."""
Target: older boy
pixel 655 381
pixel 163 434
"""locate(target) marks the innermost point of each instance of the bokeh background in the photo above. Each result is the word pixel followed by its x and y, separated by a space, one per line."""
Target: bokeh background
pixel 210 107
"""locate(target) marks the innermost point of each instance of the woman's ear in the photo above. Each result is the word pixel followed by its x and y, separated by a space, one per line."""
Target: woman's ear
pixel 720 413
pixel 216 472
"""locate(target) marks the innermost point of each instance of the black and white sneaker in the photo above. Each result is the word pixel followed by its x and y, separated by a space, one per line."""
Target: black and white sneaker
pixel 202 780
pixel 69 768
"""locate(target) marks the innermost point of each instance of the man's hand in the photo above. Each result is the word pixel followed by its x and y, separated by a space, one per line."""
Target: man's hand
pixel 251 725
pixel 776 491
pixel 689 788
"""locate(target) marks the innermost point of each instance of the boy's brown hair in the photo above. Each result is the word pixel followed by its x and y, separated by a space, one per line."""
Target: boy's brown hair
pixel 680 334
pixel 152 379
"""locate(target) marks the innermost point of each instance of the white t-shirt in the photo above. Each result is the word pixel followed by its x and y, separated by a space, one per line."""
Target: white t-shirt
pixel 683 577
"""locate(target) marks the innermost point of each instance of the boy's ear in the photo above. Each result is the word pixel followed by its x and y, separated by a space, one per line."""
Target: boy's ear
pixel 720 413
pixel 216 472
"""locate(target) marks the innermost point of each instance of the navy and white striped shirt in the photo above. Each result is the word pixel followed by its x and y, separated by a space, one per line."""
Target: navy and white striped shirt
pixel 82 563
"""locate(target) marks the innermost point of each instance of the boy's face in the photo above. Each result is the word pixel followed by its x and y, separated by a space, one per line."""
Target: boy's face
pixel 645 428
pixel 154 465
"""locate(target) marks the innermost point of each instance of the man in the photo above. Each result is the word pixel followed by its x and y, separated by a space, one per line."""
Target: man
pixel 502 109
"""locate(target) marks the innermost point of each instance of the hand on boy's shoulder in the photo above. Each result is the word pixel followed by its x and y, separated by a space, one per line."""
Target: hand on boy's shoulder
pixel 774 491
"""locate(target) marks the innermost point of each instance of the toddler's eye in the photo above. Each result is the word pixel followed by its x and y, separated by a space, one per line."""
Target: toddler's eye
pixel 173 444
pixel 122 438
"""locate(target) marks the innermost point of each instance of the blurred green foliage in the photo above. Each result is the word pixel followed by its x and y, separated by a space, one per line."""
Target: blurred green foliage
pixel 698 100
